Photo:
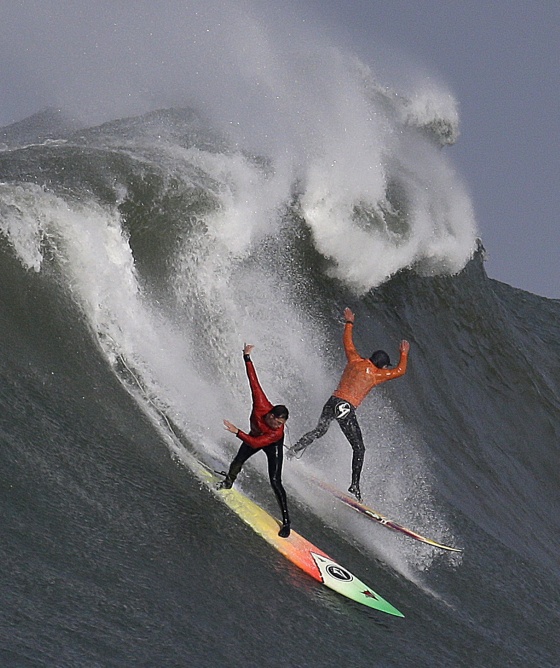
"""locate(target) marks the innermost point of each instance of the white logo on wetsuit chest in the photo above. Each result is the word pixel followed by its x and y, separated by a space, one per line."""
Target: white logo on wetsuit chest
pixel 342 410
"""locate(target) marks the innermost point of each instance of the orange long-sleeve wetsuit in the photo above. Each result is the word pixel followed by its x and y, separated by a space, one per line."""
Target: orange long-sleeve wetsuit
pixel 360 374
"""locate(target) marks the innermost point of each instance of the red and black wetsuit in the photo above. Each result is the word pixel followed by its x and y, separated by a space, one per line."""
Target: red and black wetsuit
pixel 262 437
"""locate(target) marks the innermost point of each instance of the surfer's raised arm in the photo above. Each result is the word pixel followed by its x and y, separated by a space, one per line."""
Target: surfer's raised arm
pixel 260 400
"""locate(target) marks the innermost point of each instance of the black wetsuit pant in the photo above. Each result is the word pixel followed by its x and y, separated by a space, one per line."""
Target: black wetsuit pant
pixel 275 456
pixel 345 414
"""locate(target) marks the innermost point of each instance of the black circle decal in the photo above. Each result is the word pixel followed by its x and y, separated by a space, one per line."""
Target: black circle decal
pixel 339 573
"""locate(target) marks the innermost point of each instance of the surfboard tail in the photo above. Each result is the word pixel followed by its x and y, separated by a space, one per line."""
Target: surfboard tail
pixel 372 514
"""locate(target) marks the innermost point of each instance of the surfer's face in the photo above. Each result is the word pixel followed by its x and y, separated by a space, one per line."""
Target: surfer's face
pixel 274 422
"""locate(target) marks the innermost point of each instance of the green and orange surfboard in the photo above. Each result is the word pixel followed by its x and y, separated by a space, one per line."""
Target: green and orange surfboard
pixel 311 559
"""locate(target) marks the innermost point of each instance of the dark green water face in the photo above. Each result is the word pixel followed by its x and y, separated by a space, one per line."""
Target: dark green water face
pixel 115 556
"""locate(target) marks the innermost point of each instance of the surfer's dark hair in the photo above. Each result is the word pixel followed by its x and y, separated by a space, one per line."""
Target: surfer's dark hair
pixel 380 359
pixel 280 411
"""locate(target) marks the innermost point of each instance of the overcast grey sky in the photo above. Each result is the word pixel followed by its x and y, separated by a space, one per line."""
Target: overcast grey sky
pixel 499 58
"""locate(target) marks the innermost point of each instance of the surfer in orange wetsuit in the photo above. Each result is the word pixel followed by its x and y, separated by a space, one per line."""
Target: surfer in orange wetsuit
pixel 359 377
pixel 266 434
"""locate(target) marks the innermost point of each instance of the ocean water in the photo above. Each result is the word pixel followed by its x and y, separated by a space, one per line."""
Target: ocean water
pixel 136 258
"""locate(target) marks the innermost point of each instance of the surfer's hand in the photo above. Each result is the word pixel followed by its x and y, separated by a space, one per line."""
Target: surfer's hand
pixel 230 427
pixel 405 346
pixel 247 347
pixel 348 315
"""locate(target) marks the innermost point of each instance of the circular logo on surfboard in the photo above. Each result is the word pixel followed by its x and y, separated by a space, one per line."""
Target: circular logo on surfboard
pixel 339 573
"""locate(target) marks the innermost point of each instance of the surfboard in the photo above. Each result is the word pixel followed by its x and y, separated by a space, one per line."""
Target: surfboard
pixel 297 549
pixel 377 517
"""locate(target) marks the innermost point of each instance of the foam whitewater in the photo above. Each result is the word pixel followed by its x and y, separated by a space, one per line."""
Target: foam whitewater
pixel 133 266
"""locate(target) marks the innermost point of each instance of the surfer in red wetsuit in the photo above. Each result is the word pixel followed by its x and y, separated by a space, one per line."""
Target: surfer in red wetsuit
pixel 359 377
pixel 266 434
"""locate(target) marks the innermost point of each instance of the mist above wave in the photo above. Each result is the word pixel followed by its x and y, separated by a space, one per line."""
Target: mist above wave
pixel 286 118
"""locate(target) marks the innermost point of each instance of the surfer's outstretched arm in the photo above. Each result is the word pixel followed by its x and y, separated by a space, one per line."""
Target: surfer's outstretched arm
pixel 260 400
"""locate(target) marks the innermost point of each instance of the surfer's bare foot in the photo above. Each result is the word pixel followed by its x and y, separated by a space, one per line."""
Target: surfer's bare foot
pixel 295 451
pixel 355 490
pixel 226 483
pixel 284 530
